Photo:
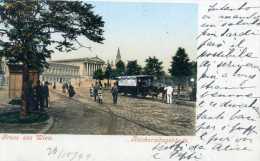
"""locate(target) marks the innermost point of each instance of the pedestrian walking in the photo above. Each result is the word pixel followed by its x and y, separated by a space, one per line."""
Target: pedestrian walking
pixel 114 92
pixel 45 93
pixel 71 91
pixel 169 93
pixel 63 88
pixel 164 95
pixel 54 85
pixel 95 91
pixel 100 96
pixel 91 90
pixel 67 87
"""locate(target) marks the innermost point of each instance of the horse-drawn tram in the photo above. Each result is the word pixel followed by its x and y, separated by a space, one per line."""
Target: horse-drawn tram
pixel 137 85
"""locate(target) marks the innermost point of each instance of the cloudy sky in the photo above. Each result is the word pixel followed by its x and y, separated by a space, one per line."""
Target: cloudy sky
pixel 141 30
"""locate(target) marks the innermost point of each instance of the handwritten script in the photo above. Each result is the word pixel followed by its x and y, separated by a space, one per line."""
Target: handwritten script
pixel 228 75
pixel 228 62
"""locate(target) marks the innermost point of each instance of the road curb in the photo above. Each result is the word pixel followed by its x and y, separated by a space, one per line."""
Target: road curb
pixel 50 123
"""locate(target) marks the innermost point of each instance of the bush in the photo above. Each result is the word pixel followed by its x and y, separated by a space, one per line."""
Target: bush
pixel 16 101
pixel 14 118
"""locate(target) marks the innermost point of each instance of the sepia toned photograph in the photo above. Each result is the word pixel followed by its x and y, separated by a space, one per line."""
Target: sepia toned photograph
pixel 98 68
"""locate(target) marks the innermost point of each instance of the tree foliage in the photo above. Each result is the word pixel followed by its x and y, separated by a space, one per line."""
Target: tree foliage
pixel 153 67
pixel 98 74
pixel 108 72
pixel 180 65
pixel 133 68
pixel 29 29
pixel 194 69
pixel 120 68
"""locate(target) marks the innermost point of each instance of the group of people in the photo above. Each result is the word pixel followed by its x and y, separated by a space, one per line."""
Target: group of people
pixel 68 88
pixel 37 97
pixel 96 91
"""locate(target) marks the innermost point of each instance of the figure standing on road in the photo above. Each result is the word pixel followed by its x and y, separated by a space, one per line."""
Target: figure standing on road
pixel 169 93
pixel 71 91
pixel 54 85
pixel 95 91
pixel 100 96
pixel 162 90
pixel 45 93
pixel 91 90
pixel 114 92
pixel 38 95
pixel 67 88
pixel 63 88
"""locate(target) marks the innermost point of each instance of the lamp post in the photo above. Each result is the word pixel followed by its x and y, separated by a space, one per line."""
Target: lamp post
pixel 193 89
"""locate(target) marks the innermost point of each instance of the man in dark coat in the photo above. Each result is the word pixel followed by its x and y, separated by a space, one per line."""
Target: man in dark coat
pixel 95 92
pixel 38 95
pixel 114 92
pixel 71 91
pixel 45 93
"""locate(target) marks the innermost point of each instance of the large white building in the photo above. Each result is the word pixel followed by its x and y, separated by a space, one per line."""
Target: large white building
pixel 67 70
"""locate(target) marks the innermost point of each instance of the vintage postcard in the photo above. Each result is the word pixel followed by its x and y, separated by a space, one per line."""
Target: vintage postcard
pixel 129 80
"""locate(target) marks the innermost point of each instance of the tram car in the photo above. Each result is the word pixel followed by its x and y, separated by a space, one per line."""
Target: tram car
pixel 137 85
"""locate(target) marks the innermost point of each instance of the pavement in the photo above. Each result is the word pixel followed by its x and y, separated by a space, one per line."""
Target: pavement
pixel 19 128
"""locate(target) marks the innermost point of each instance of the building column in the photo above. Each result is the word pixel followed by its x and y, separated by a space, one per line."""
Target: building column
pixel 91 69
pixel 86 67
pixel 89 73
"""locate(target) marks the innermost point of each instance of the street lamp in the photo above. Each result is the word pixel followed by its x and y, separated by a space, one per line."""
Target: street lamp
pixel 193 89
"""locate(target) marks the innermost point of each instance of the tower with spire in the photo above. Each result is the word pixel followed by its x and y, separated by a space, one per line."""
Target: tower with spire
pixel 118 56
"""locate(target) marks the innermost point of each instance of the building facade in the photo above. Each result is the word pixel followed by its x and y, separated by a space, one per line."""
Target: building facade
pixel 87 66
pixel 60 73
pixel 69 70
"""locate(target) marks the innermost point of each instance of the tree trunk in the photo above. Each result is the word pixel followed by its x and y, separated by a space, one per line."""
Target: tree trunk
pixel 108 83
pixel 178 89
pixel 25 75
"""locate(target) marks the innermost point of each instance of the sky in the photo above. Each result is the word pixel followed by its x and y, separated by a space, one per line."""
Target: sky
pixel 141 30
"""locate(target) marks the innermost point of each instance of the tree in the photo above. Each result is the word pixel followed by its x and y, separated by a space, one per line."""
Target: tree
pixel 133 68
pixel 27 28
pixel 194 69
pixel 108 73
pixel 153 67
pixel 98 74
pixel 120 68
pixel 180 67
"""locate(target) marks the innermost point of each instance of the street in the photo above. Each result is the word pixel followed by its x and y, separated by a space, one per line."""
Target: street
pixel 131 116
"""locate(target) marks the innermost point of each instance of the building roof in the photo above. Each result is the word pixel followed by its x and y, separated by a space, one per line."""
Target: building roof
pixel 118 55
pixel 93 59
pixel 52 64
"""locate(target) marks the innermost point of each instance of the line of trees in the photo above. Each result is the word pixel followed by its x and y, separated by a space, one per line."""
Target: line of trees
pixel 180 72
pixel 153 67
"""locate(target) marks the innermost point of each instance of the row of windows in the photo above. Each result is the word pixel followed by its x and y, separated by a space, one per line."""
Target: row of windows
pixel 61 71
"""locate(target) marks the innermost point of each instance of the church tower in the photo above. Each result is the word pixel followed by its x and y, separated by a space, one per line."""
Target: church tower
pixel 118 56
